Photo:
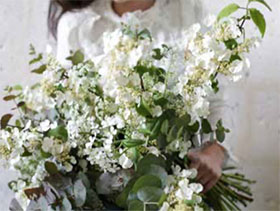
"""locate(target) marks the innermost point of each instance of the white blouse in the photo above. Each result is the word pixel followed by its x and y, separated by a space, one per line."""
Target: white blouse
pixel 83 30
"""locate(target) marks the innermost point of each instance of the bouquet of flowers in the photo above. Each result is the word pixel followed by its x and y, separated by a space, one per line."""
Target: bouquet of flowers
pixel 115 133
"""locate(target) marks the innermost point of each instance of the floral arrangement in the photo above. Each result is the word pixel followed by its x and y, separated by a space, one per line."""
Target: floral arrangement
pixel 115 133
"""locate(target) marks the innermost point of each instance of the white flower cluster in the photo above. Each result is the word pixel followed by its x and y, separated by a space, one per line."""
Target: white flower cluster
pixel 90 115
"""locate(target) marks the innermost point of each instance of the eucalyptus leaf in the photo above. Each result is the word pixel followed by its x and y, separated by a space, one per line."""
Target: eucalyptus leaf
pixel 79 193
pixel 15 206
pixel 150 194
pixel 66 205
pixel 135 205
pixel 146 180
pixel 228 10
pixel 152 159
pixel 155 170
pixel 258 19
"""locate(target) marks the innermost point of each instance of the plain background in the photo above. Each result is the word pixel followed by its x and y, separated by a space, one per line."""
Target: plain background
pixel 254 101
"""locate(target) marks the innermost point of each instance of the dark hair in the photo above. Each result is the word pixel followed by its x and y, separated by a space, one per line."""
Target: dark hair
pixel 58 7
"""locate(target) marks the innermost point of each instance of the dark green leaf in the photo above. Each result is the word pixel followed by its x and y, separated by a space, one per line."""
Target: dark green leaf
pixel 9 97
pixel 157 54
pixel 20 104
pixel 194 128
pixel 259 20
pixel 146 180
pixel 231 44
pixel 31 50
pixel 234 57
pixel 220 135
pixel 156 130
pixel 206 126
pixel 26 153
pixel 60 132
pixel 262 2
pixel 5 120
pixel 51 168
pixel 40 70
pixel 228 10
pixel 150 194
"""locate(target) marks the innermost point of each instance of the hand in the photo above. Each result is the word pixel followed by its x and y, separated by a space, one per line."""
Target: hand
pixel 208 161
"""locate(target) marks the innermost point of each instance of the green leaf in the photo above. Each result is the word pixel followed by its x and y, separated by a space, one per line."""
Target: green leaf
pixel 9 97
pixel 37 59
pixel 77 58
pixel 234 57
pixel 228 10
pixel 60 132
pixel 51 168
pixel 146 180
pixel 170 137
pixel 143 109
pixel 26 153
pixel 157 54
pixel 79 193
pixel 129 143
pixel 152 159
pixel 135 205
pixel 144 34
pixel 150 194
pixel 155 130
pixel 259 20
pixel 31 50
pixel 164 127
pixel 5 120
pixel 17 87
pixel 220 135
pixel 194 128
pixel 231 44
pixel 40 70
pixel 206 126
pixel 262 2
pixel 155 170
pixel 183 121
pixel 122 198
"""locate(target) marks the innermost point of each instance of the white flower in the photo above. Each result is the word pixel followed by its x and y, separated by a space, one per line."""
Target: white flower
pixel 184 192
pixel 210 20
pixel 125 162
pixel 45 125
pixel 165 207
pixel 47 144
pixel 156 111
pixel 196 187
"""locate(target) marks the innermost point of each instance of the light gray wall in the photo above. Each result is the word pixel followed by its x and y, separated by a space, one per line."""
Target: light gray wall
pixel 256 101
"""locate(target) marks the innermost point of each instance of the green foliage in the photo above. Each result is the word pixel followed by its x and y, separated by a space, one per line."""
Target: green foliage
pixel 129 143
pixel 150 194
pixel 262 2
pixel 79 193
pixel 77 58
pixel 228 10
pixel 146 180
pixel 143 109
pixel 51 168
pixel 40 69
pixel 231 44
pixel 59 132
pixel 9 97
pixel 5 120
pixel 221 131
pixel 258 19
pixel 206 126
